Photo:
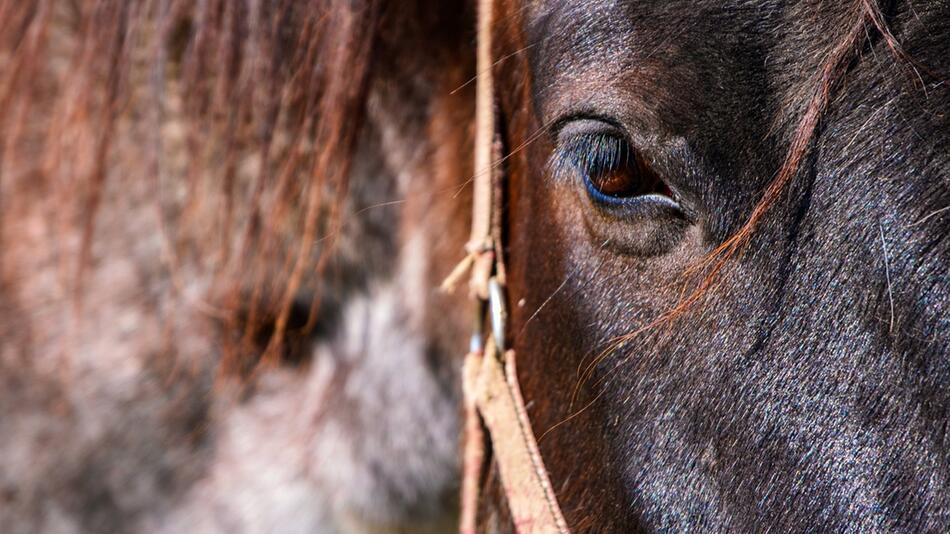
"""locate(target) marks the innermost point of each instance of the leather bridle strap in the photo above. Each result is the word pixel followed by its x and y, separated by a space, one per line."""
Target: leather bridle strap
pixel 490 381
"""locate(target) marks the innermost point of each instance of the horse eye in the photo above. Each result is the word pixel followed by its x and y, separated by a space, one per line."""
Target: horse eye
pixel 612 169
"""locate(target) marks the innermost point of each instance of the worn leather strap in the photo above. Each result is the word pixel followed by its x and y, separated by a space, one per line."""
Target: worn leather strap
pixel 490 382
pixel 531 498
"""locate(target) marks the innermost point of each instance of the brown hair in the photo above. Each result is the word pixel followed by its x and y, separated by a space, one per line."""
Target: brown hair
pixel 268 98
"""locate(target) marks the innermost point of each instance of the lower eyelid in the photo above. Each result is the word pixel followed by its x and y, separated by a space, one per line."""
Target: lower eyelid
pixel 599 196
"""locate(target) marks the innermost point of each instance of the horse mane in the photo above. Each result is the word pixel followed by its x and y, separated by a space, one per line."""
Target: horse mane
pixel 265 100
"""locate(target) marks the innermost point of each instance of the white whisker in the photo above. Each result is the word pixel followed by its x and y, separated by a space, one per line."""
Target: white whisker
pixel 887 274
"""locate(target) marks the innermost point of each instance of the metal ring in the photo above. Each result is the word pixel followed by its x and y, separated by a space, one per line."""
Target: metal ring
pixel 499 315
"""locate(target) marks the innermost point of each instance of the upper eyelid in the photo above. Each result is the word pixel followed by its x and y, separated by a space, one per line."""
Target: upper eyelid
pixel 562 159
pixel 587 124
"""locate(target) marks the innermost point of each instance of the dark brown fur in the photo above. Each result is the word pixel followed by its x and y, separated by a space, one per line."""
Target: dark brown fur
pixel 738 398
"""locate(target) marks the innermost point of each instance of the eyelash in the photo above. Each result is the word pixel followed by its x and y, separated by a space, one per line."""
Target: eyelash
pixel 591 155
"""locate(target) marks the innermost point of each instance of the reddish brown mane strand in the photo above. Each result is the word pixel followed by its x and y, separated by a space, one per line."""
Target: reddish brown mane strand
pixel 833 69
pixel 116 22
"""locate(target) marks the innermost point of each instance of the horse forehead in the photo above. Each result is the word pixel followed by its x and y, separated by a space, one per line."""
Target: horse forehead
pixel 584 25
pixel 637 50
